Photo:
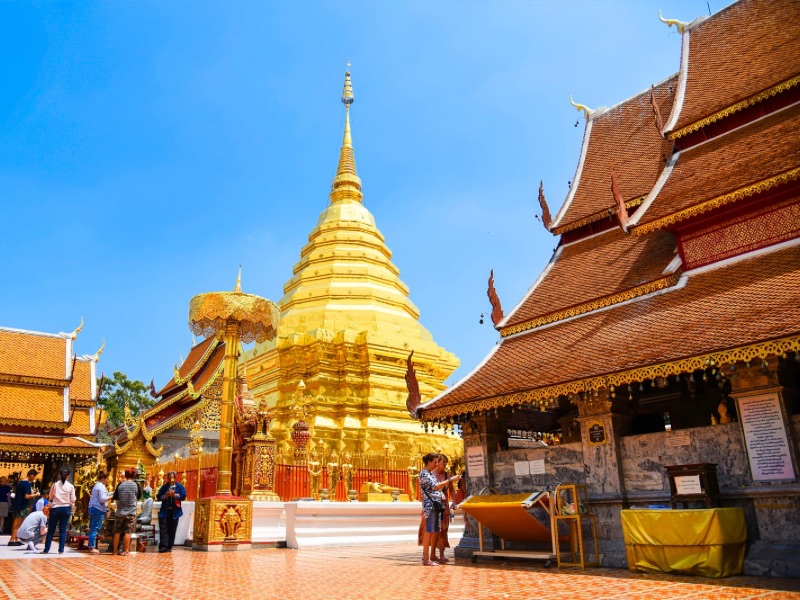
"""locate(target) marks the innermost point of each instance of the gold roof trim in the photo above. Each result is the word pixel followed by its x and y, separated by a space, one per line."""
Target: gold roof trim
pixel 724 199
pixel 157 407
pixel 726 112
pixel 176 418
pixel 202 361
pixel 193 393
pixel 601 214
pixel 27 380
pixel 30 423
pixel 45 449
pixel 760 350
pixel 647 288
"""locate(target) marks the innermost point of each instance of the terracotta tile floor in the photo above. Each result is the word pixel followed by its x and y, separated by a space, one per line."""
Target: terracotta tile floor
pixel 345 572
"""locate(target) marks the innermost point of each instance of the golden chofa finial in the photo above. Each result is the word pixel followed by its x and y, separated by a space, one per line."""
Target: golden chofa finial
pixel 74 335
pixel 238 288
pixel 97 354
pixel 680 25
pixel 587 112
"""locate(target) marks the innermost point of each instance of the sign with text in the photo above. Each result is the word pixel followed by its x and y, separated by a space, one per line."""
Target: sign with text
pixel 765 438
pixel 597 433
pixel 537 467
pixel 475 462
pixel 677 439
pixel 521 468
pixel 688 485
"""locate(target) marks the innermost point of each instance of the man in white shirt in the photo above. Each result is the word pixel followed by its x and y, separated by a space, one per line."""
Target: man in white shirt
pixel 34 527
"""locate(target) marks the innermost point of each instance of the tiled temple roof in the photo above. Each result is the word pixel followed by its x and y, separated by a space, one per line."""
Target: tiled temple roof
pixel 37 406
pixel 721 170
pixel 714 311
pixel 34 354
pixel 624 137
pixel 594 268
pixel 195 360
pixel 746 48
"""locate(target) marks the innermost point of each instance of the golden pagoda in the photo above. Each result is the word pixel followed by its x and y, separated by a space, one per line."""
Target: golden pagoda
pixel 346 330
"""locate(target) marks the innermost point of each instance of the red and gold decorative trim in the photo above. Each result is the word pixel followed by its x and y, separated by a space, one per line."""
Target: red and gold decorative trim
pixel 734 108
pixel 760 351
pixel 723 200
pixel 162 405
pixel 647 288
pixel 181 380
pixel 601 214
pixel 193 393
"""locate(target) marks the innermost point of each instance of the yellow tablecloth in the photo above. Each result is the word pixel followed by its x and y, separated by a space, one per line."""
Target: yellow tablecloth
pixel 707 542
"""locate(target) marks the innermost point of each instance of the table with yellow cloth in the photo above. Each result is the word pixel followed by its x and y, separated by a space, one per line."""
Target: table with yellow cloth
pixel 708 542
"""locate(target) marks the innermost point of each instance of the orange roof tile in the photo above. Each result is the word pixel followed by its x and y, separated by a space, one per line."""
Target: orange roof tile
pixel 31 354
pixel 596 267
pixel 81 423
pixel 624 137
pixel 81 386
pixel 742 50
pixel 31 405
pixel 203 377
pixel 751 300
pixel 757 152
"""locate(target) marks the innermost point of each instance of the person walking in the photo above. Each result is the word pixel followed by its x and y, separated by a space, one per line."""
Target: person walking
pixel 21 504
pixel 34 527
pixel 126 495
pixel 97 509
pixel 62 505
pixel 171 494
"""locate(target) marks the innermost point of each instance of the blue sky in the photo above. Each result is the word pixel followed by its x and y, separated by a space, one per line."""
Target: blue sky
pixel 149 148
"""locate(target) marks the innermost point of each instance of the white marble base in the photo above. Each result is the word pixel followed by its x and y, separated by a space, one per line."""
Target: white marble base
pixel 184 523
pixel 314 524
pixel 269 523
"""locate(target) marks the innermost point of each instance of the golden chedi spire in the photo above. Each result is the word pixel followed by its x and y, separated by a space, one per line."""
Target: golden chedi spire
pixel 346 186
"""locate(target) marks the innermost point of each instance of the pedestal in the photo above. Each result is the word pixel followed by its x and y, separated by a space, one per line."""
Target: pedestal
pixel 223 523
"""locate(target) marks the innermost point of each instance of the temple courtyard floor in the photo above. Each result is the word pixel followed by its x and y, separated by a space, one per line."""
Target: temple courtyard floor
pixel 388 572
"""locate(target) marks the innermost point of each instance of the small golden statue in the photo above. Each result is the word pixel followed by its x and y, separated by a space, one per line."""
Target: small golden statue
pixel 314 474
pixel 347 472
pixel 334 475
pixel 413 475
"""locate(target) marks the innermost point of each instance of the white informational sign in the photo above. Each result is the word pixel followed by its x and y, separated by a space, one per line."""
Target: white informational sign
pixel 688 485
pixel 521 468
pixel 475 462
pixel 677 439
pixel 537 467
pixel 765 438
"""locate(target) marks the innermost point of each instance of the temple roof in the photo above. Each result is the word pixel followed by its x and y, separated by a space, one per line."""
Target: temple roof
pixel 712 310
pixel 724 170
pixel 593 269
pixel 732 56
pixel 82 388
pixel 195 360
pixel 624 137
pixel 35 354
pixel 36 406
